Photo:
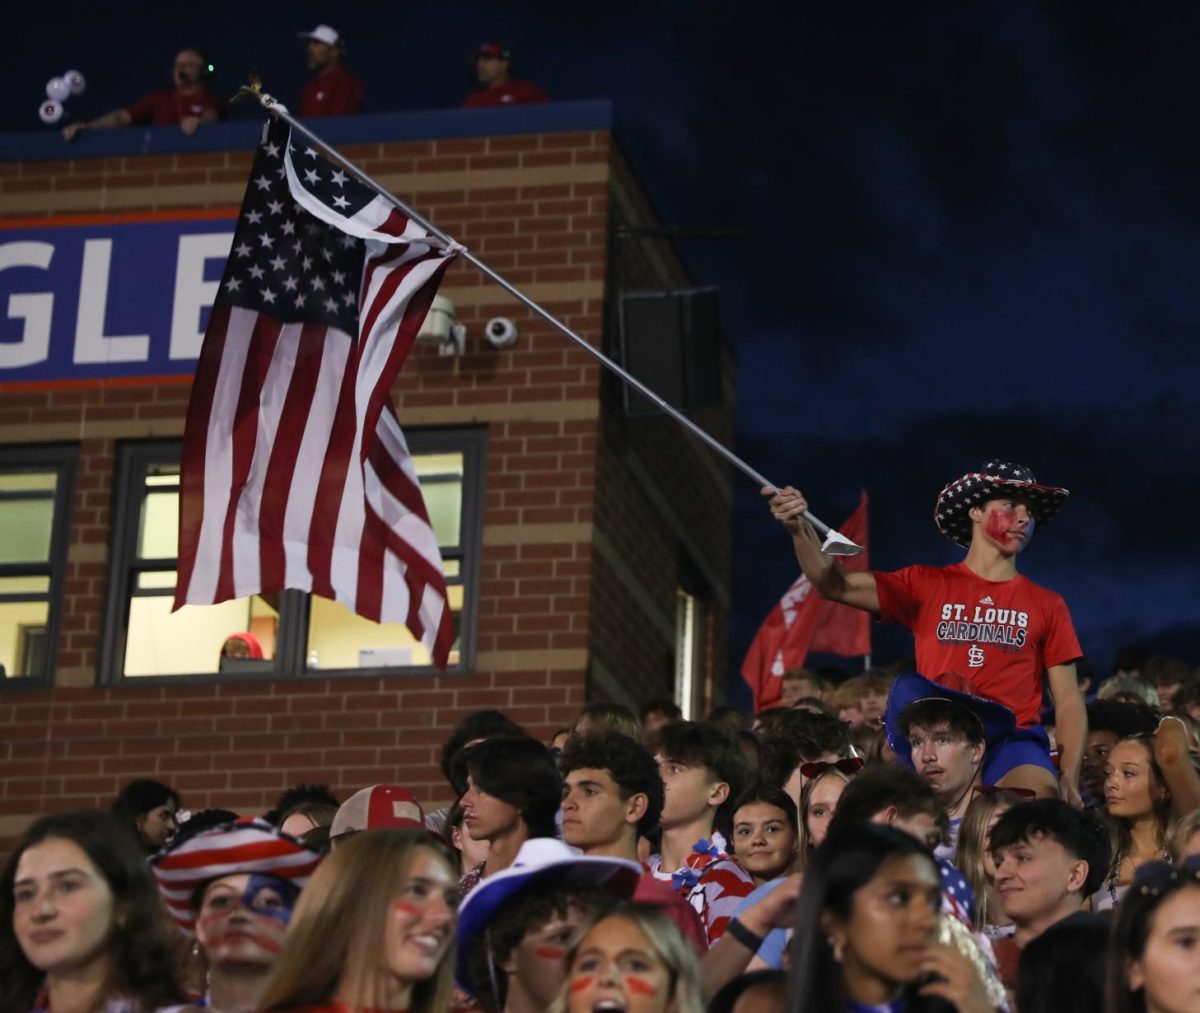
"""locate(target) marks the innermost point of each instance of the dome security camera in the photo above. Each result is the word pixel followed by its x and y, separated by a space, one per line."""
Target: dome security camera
pixel 500 332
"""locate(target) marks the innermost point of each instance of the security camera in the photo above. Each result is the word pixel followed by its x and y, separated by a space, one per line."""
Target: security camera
pixel 500 332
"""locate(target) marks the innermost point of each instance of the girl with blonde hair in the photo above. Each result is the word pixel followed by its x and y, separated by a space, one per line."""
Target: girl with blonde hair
pixel 634 956
pixel 973 857
pixel 372 930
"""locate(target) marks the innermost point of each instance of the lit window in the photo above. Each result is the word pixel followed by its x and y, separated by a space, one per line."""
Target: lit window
pixel 691 654
pixel 35 489
pixel 280 634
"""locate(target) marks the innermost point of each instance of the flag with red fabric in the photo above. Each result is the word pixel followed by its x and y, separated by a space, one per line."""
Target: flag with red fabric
pixel 803 622
pixel 295 472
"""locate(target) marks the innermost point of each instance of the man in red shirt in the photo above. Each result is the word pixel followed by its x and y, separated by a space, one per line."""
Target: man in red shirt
pixel 334 91
pixel 188 105
pixel 491 67
pixel 978 619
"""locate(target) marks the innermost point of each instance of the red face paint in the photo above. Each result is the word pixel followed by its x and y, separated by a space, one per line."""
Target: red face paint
pixel 1000 522
pixel 638 986
pixel 550 952
pixel 405 908
pixel 582 984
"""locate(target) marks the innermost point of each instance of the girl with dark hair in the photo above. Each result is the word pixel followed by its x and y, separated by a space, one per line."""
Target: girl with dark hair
pixel 1154 952
pixel 866 930
pixel 1062 970
pixel 765 838
pixel 148 809
pixel 81 924
pixel 1140 809
pixel 513 793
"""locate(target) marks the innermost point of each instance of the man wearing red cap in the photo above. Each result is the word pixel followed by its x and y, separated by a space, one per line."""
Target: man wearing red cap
pixel 491 67
pixel 978 619
pixel 334 90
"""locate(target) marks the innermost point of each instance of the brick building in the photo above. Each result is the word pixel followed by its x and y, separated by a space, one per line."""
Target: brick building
pixel 578 569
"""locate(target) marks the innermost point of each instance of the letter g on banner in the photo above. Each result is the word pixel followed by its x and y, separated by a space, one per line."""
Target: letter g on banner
pixel 35 308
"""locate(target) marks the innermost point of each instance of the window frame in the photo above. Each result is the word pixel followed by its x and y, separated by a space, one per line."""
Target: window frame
pixel 291 648
pixel 63 459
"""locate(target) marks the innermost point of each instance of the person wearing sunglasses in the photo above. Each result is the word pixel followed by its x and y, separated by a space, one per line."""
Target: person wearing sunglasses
pixel 945 733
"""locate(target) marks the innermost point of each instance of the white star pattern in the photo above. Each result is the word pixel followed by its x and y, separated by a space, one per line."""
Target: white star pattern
pixel 290 283
pixel 242 250
pixel 338 177
pixel 233 285
pixel 268 295
pixel 311 176
pixel 299 298
pixel 272 150
pixel 256 272
pixel 339 277
pixel 254 217
pixel 310 152
pixel 340 202
pixel 318 283
pixel 278 263
pixel 288 228
pixel 274 207
pixel 331 305
pixel 266 240
pixel 262 183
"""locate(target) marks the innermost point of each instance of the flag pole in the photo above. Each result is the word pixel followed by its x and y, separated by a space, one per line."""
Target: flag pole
pixel 835 543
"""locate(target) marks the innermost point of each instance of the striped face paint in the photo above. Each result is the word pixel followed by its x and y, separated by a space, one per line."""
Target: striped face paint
pixel 582 984
pixel 639 986
pixel 244 917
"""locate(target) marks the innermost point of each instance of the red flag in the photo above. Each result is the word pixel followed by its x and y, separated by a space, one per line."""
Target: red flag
pixel 295 473
pixel 803 621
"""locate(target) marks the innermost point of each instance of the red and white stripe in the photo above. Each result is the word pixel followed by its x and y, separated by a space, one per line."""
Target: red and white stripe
pixel 295 472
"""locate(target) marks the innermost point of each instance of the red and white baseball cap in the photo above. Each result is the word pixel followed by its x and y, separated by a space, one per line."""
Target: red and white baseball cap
pixel 323 33
pixel 379 807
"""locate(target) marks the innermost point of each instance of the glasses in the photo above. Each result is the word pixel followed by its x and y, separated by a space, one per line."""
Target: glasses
pixel 993 789
pixel 849 765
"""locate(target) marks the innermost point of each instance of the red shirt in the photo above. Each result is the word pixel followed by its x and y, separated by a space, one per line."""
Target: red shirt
pixel 336 92
pixel 511 93
pixel 168 108
pixel 1000 635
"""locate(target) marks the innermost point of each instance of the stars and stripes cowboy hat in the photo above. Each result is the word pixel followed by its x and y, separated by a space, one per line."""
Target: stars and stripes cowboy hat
pixel 246 846
pixel 995 479
pixel 995 720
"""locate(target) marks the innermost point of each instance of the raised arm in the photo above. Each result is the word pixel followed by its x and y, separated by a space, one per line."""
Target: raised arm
pixel 856 589
pixel 116 118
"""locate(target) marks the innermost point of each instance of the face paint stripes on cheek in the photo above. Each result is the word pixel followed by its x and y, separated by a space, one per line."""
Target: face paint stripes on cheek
pixel 550 952
pixel 639 986
pixel 582 984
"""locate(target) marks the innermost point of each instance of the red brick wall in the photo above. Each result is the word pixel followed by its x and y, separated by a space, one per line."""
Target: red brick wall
pixel 535 207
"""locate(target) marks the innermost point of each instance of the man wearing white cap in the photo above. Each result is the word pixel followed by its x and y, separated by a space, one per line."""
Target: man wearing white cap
pixel 334 91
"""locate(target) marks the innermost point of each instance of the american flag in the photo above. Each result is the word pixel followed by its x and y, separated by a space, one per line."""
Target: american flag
pixel 295 473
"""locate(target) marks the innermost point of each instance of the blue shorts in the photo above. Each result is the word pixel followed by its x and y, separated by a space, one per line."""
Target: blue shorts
pixel 1022 746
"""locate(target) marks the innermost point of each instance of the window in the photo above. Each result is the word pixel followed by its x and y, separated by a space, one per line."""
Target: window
pixel 690 654
pixel 279 634
pixel 35 496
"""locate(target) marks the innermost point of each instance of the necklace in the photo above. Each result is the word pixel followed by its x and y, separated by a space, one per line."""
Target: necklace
pixel 1114 877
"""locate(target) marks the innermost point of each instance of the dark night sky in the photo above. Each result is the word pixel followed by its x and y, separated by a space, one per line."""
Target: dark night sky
pixel 970 231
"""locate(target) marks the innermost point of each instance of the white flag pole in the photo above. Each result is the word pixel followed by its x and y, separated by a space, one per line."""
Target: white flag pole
pixel 836 543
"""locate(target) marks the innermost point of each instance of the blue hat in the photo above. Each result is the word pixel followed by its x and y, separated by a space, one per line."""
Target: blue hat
pixel 543 863
pixel 997 720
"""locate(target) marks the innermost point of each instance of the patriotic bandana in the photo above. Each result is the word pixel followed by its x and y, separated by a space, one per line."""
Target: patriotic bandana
pixel 249 846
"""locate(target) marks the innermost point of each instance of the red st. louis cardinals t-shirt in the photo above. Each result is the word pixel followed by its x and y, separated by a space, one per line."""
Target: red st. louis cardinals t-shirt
pixel 1001 635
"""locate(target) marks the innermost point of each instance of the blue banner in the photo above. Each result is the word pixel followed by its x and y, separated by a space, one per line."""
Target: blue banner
pixel 104 301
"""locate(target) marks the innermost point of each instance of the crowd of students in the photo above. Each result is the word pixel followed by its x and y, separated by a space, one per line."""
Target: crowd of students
pixel 652 864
